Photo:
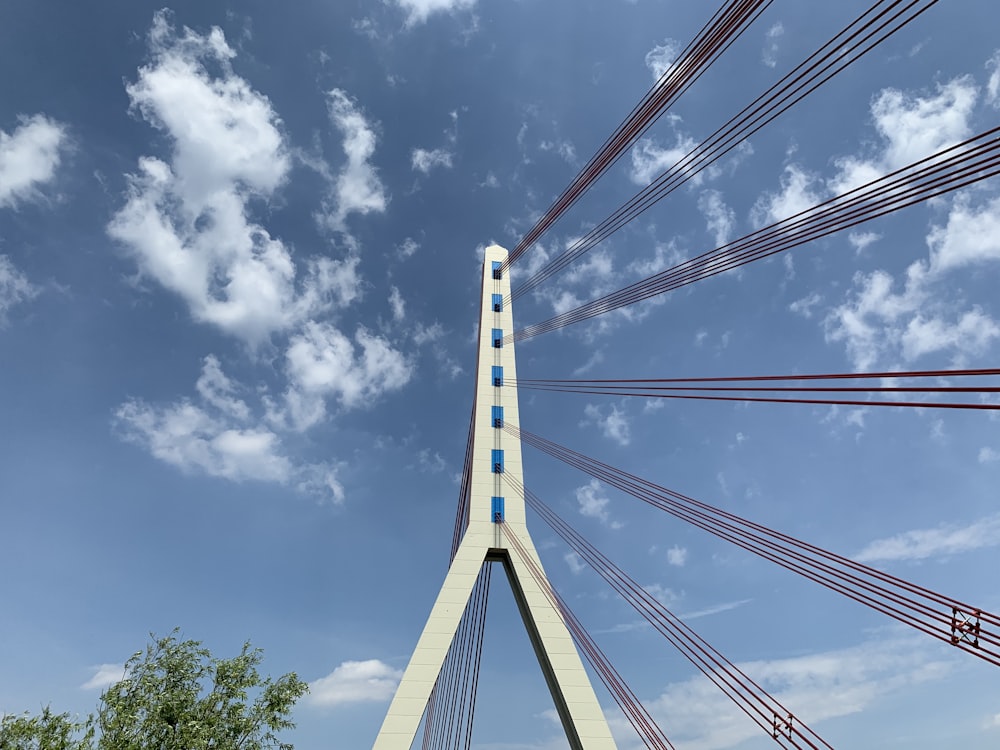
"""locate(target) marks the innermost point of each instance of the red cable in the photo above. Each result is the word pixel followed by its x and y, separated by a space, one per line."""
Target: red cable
pixel 739 686
pixel 726 25
pixel 834 402
pixel 643 723
pixel 723 529
pixel 892 192
pixel 827 376
pixel 837 53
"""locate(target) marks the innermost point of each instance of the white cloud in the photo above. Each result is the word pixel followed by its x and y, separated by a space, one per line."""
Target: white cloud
pixel 105 675
pixel 14 287
pixel 357 188
pixel 662 594
pixel 322 362
pixel 818 686
pixel 188 437
pixel 713 610
pixel 660 59
pixel 804 306
pixel 596 357
pixel 565 149
pixel 677 556
pixel 408 248
pixel 594 271
pixel 614 424
pixel 424 334
pixel 424 161
pixel 971 334
pixel 946 539
pixel 723 484
pixel 970 237
pixel 914 127
pixel 669 597
pixel 590 277
pixel 418 11
pixel 430 463
pixel 769 56
pixel 563 301
pixel 217 439
pixel 879 324
pixel 860 240
pixel 650 160
pixel 594 503
pixel 719 218
pixel 397 304
pixel 187 222
pixel 29 157
pixel 435 336
pixel 993 83
pixel 911 128
pixel 799 191
pixel 218 390
pixel 988 455
pixel 575 563
pixel 665 255
pixel 355 682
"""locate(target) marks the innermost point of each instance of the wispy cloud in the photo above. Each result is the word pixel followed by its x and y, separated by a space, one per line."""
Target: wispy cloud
pixel 667 597
pixel 886 319
pixel 816 687
pixel 218 436
pixel 594 503
pixel 677 556
pixel 713 610
pixel 769 56
pixel 660 59
pixel 575 562
pixel 357 188
pixel 946 539
pixel 14 287
pixel 614 424
pixel 105 675
pixel 424 160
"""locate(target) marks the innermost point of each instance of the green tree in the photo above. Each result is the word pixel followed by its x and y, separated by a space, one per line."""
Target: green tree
pixel 174 696
pixel 47 731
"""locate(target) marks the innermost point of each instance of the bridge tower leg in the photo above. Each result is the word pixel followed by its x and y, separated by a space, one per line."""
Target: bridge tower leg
pixel 497 532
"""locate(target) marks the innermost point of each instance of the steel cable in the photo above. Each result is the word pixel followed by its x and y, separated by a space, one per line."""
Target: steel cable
pixel 850 44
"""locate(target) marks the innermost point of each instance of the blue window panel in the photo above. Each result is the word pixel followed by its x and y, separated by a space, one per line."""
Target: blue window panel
pixel 496 511
pixel 497 338
pixel 498 416
pixel 497 303
pixel 496 269
pixel 497 375
pixel 497 461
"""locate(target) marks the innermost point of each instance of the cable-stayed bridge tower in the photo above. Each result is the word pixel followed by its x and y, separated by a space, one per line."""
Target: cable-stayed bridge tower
pixel 490 525
pixel 497 532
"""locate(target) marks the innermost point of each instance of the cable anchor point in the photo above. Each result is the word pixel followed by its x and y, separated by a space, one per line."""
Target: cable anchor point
pixel 782 726
pixel 965 627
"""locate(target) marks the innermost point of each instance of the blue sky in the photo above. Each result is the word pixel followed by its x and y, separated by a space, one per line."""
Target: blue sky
pixel 239 246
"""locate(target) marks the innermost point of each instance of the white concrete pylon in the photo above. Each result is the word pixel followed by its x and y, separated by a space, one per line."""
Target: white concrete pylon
pixel 497 533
